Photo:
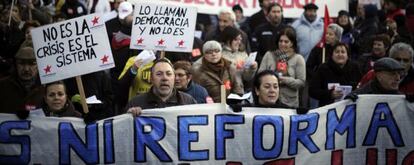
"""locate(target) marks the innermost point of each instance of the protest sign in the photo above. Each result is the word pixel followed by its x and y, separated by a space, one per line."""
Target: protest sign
pixel 163 27
pixel 71 48
pixel 375 129
pixel 291 8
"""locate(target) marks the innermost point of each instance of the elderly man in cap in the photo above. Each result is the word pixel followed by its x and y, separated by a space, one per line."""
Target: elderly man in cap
pixel 309 30
pixel 22 91
pixel 387 78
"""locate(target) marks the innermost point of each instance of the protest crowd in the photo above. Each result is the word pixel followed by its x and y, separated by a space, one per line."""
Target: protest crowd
pixel 301 63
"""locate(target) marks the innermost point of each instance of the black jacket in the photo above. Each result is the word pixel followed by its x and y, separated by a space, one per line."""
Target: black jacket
pixel 374 87
pixel 330 72
pixel 315 60
pixel 149 100
pixel 265 38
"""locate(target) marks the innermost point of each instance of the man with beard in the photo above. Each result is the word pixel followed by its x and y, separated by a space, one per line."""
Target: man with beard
pixel 264 37
pixel 162 93
pixel 380 45
pixel 22 91
pixel 309 30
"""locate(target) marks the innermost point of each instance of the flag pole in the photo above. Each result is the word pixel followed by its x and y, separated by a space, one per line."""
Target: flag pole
pixel 11 10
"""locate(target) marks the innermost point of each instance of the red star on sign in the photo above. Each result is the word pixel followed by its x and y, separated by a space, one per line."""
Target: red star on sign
pixel 104 59
pixel 47 69
pixel 181 43
pixel 95 20
pixel 161 42
pixel 140 40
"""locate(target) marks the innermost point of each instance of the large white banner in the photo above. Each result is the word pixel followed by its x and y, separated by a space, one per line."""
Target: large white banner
pixel 375 129
pixel 291 8
pixel 71 48
pixel 163 27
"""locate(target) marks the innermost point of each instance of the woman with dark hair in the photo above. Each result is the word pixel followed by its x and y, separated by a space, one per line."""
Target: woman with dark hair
pixel 266 90
pixel 338 70
pixel 289 65
pixel 234 52
pixel 56 101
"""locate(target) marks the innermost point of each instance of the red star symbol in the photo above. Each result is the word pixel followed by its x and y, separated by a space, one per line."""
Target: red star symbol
pixel 140 40
pixel 104 59
pixel 181 43
pixel 47 69
pixel 161 42
pixel 95 20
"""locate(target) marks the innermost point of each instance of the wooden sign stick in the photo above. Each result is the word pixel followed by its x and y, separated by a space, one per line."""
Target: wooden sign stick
pixel 82 94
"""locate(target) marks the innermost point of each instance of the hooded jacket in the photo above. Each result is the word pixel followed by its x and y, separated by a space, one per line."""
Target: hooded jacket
pixel 308 34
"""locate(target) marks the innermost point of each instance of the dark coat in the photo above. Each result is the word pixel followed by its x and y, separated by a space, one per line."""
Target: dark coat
pixel 331 73
pixel 67 111
pixel 265 39
pixel 315 60
pixel 366 62
pixel 257 19
pixel 373 87
pixel 407 84
pixel 150 100
pixel 14 96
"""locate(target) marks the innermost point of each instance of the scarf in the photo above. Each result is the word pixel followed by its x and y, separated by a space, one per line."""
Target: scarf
pixel 218 68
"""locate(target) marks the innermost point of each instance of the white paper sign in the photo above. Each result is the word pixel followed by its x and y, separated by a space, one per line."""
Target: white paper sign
pixel 72 48
pixel 249 61
pixel 146 57
pixel 163 27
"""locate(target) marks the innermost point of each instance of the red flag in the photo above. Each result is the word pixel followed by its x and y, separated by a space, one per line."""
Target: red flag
pixel 326 22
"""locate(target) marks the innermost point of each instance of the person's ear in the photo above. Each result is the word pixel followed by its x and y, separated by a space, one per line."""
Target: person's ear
pixel 257 91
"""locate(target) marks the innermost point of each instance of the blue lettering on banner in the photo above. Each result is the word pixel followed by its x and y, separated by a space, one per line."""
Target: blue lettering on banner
pixel 109 142
pixel 69 139
pixel 383 118
pixel 185 137
pixel 259 151
pixel 345 124
pixel 222 133
pixel 23 140
pixel 144 138
pixel 303 135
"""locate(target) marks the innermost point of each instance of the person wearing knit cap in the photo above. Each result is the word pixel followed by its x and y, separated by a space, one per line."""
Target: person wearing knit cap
pixel 22 91
pixel 345 22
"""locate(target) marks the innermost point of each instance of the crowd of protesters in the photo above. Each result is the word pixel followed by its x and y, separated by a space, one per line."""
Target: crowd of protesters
pixel 366 48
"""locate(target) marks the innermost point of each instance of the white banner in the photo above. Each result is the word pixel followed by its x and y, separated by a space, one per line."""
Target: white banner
pixel 72 48
pixel 163 27
pixel 375 129
pixel 291 8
